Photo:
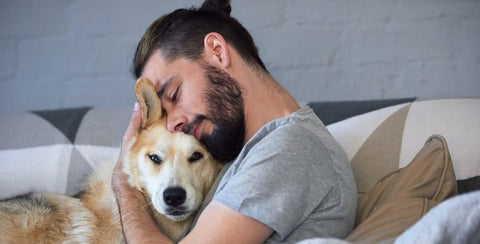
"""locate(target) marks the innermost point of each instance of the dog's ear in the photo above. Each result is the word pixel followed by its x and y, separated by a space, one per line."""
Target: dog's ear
pixel 149 102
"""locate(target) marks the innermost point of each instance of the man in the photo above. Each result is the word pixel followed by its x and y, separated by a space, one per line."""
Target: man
pixel 289 180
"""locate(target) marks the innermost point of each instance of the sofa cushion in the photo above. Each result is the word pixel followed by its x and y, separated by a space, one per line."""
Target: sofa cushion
pixel 55 150
pixel 402 197
pixel 332 112
pixel 387 139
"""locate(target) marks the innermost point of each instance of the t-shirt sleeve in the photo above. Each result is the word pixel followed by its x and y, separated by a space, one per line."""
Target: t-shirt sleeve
pixel 282 180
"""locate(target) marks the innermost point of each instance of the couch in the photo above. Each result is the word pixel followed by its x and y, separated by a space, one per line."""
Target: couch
pixel 408 156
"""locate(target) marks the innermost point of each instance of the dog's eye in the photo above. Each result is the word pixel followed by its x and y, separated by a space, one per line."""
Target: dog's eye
pixel 155 158
pixel 195 156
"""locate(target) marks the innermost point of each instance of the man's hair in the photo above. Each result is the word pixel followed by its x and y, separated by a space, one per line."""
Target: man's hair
pixel 182 32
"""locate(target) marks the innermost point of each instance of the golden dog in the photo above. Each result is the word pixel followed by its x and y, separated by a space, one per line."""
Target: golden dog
pixel 173 171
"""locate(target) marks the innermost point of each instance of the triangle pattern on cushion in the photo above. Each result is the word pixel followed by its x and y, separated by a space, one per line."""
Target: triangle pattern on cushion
pixel 103 126
pixel 65 120
pixel 352 133
pixel 380 153
pixel 96 155
pixel 77 173
pixel 457 120
pixel 26 130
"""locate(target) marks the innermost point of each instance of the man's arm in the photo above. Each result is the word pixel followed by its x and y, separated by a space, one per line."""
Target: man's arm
pixel 220 224
pixel 137 224
pixel 217 223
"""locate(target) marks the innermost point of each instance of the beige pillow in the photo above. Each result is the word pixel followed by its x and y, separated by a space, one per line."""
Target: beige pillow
pixel 401 198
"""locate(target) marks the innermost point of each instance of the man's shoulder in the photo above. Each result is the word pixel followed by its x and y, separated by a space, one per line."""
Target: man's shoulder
pixel 304 129
pixel 286 143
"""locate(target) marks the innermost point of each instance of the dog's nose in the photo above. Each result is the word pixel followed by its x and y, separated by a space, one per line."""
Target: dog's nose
pixel 174 196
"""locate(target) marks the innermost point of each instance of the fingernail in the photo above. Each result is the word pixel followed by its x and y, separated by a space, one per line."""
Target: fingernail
pixel 136 107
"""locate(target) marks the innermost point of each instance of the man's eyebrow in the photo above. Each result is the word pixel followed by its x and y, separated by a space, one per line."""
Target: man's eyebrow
pixel 164 86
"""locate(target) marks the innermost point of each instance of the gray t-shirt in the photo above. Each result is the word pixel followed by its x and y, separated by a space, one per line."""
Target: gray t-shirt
pixel 293 177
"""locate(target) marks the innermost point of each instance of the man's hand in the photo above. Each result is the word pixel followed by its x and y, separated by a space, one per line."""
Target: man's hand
pixel 119 181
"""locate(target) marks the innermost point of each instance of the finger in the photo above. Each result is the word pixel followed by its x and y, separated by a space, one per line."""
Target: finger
pixel 134 125
pixel 132 130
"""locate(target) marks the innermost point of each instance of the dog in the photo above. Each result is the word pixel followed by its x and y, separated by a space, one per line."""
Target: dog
pixel 173 171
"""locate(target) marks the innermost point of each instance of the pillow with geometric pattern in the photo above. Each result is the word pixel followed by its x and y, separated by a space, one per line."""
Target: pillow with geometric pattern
pixel 402 197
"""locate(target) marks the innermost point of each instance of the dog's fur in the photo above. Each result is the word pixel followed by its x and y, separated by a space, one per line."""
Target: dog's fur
pixel 182 166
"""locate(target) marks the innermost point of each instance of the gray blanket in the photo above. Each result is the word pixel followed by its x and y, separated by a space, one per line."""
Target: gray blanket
pixel 456 220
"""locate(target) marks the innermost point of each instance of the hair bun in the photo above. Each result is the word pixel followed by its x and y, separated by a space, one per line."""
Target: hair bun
pixel 222 5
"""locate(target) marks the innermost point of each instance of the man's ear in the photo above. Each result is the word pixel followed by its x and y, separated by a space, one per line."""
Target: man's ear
pixel 216 49
pixel 150 104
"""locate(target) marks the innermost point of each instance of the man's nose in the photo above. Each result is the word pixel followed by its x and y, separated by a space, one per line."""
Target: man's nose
pixel 175 123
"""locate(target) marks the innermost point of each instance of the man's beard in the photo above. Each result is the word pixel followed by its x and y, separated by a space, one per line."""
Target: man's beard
pixel 225 110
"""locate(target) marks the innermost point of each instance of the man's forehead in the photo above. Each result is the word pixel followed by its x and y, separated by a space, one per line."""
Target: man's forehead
pixel 154 68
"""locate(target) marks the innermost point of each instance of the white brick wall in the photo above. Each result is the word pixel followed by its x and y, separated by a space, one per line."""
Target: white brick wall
pixel 68 53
